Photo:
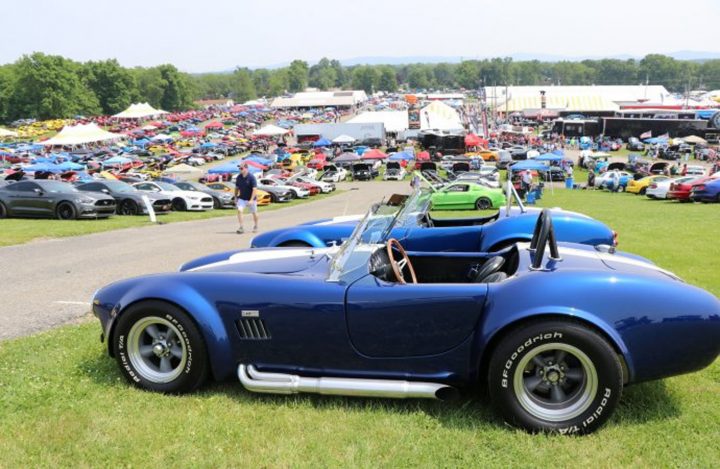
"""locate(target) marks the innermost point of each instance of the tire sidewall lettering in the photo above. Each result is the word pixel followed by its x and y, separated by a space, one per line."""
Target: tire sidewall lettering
pixel 523 347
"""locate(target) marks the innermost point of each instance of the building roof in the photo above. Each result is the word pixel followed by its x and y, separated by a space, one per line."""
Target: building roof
pixel 438 115
pixel 394 121
pixel 563 102
pixel 321 99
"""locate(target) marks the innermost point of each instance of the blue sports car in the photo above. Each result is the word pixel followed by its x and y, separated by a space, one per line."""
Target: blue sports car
pixel 372 319
pixel 417 230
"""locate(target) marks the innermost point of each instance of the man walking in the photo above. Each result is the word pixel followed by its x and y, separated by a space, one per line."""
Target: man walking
pixel 246 196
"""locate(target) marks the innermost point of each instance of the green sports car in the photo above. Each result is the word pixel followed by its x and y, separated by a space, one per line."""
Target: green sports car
pixel 463 195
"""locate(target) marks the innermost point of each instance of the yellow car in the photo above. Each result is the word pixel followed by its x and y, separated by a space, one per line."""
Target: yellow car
pixel 640 186
pixel 263 197
pixel 487 155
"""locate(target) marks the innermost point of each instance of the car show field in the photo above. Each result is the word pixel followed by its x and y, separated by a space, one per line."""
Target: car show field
pixel 70 404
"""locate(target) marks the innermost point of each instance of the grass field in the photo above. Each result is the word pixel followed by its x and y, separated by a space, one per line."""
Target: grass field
pixel 23 230
pixel 63 402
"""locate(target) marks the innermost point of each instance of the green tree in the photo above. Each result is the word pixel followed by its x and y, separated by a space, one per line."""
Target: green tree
pixel 261 80
pixel 176 94
pixel 468 74
pixel 243 88
pixel 113 85
pixel 323 75
pixel 387 80
pixel 278 82
pixel 297 75
pixel 150 85
pixel 49 86
pixel 418 77
pixel 365 78
pixel 661 70
pixel 444 75
pixel 709 74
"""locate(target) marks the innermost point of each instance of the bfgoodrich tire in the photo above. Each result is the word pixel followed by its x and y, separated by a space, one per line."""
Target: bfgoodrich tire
pixel 159 348
pixel 555 376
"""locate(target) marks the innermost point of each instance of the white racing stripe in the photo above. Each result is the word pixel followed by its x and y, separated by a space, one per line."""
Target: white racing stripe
pixel 342 219
pixel 612 258
pixel 254 255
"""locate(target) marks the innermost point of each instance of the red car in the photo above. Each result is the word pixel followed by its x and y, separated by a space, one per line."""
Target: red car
pixel 318 162
pixel 313 189
pixel 682 191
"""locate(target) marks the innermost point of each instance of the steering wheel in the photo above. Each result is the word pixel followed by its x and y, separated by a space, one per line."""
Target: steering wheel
pixel 398 266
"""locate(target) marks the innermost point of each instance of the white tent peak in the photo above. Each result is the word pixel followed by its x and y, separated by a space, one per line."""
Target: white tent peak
pixel 81 134
pixel 139 111
pixel 270 130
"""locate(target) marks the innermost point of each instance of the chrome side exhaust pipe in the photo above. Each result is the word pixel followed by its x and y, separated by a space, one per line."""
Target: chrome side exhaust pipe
pixel 280 383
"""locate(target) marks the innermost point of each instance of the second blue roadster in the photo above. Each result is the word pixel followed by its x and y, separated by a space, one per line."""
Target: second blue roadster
pixel 417 230
pixel 372 319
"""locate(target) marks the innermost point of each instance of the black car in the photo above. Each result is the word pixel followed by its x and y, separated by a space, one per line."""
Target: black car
pixel 128 199
pixel 364 172
pixel 555 174
pixel 53 199
pixel 220 199
pixel 634 144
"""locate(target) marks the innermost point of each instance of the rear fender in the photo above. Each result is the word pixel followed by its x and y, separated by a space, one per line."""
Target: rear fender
pixel 494 328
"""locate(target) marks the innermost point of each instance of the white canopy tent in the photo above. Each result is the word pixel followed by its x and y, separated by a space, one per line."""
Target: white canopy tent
pixel 183 170
pixel 394 121
pixel 139 111
pixel 82 134
pixel 440 116
pixel 270 131
pixel 343 139
pixel 7 133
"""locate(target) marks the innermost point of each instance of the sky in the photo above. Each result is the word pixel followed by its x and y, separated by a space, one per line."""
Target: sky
pixel 218 35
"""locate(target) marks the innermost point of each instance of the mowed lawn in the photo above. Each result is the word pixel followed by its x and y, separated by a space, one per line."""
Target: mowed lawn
pixel 63 402
pixel 23 230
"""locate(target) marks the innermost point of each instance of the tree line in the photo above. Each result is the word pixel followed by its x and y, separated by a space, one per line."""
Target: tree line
pixel 48 86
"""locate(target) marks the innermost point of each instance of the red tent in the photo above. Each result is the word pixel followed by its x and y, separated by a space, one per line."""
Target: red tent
pixel 214 125
pixel 374 155
pixel 422 156
pixel 472 140
pixel 255 164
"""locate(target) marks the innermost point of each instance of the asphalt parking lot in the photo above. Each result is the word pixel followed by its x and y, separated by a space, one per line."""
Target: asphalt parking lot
pixel 50 282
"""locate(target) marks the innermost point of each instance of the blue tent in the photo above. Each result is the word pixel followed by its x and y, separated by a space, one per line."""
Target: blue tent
pixel 549 157
pixel 70 166
pixel 259 159
pixel 661 139
pixel 528 165
pixel 323 142
pixel 558 151
pixel 401 155
pixel 116 160
pixel 232 168
pixel 208 145
pixel 43 167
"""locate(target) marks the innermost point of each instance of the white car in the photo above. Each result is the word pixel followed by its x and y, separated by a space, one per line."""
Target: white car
pixel 696 170
pixel 394 171
pixel 659 189
pixel 299 192
pixel 181 200
pixel 325 187
pixel 605 179
pixel 333 174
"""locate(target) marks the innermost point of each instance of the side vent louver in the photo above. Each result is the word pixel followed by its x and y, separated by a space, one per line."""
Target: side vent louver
pixel 252 329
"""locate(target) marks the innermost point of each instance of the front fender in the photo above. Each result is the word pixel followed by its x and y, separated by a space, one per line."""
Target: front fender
pixel 278 237
pixel 172 290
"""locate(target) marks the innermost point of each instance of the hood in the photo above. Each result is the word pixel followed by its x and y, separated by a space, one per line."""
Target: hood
pixel 260 261
pixel 96 195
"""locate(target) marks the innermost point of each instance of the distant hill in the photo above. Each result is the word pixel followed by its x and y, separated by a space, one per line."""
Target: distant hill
pixel 699 56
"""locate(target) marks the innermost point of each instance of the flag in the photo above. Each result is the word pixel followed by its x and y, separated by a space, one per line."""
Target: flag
pixel 647 134
pixel 664 136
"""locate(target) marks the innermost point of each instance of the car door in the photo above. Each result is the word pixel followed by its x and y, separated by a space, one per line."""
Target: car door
pixel 456 195
pixel 23 198
pixel 388 319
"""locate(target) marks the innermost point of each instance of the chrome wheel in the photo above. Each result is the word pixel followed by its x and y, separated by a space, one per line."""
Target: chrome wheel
pixel 555 382
pixel 156 350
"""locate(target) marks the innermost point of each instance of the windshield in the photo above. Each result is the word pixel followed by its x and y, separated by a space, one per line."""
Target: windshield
pixel 167 187
pixel 119 186
pixel 375 228
pixel 57 186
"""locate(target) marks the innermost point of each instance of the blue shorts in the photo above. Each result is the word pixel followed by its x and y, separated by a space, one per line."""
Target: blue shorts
pixel 250 204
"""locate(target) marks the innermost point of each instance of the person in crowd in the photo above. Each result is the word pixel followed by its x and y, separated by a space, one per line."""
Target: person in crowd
pixel 683 171
pixel 415 181
pixel 246 197
pixel 569 170
pixel 526 181
pixel 615 180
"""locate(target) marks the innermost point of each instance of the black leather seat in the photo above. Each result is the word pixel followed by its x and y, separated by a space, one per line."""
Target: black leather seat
pixel 491 266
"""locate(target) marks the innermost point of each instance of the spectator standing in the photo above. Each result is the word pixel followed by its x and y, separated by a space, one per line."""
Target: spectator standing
pixel 246 197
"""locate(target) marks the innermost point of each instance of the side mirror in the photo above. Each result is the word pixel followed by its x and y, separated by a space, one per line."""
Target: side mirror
pixel 105 191
pixel 38 191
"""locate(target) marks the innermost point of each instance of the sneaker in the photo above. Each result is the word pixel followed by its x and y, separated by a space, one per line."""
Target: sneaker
pixel 255 228
pixel 240 231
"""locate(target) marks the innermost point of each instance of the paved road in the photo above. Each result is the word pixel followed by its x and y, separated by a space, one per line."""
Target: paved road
pixel 48 283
